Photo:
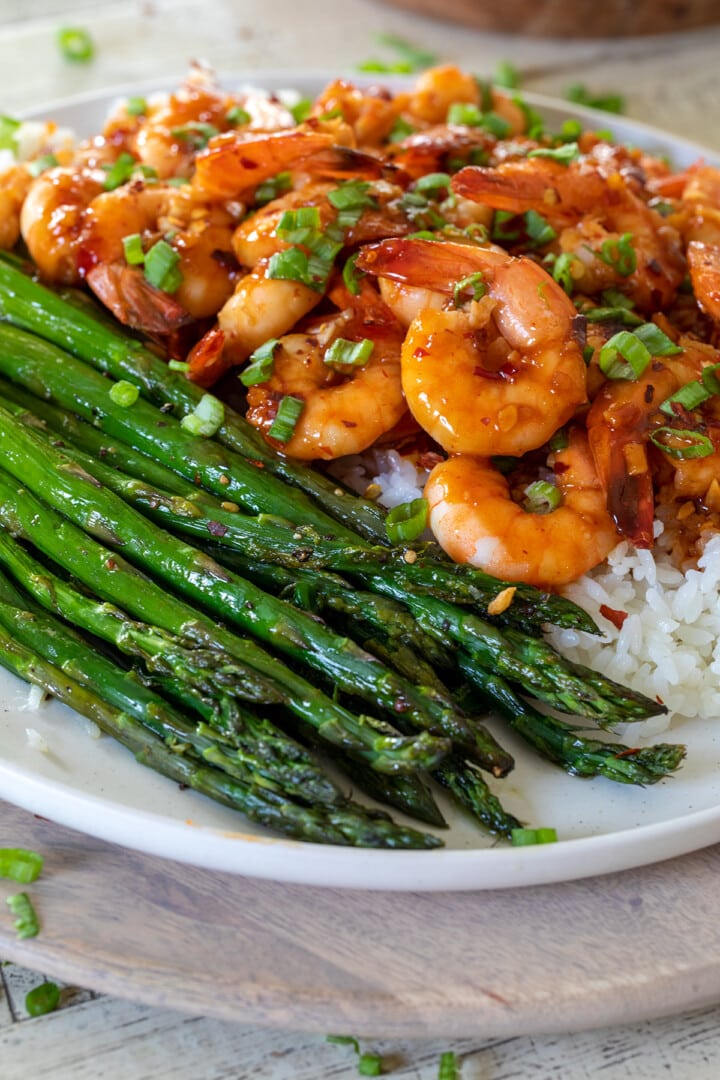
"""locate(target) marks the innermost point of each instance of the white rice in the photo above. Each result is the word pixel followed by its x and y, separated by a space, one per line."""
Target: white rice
pixel 668 646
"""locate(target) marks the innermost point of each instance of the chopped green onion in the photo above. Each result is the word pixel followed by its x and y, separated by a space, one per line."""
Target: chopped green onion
pixel 475 281
pixel 178 365
pixel 656 340
pixel 541 497
pixel 534 124
pixel 562 271
pixel 298 226
pixel 433 183
pixel 497 125
pixel 370 1065
pixel 206 418
pixel 42 999
pixel 461 112
pixel 41 164
pixel 177 181
pixel 448 1068
pixel 588 353
pixel 696 445
pixel 635 356
pixel 499 232
pixel 351 275
pixel 570 130
pixel 662 206
pixel 506 75
pixel 237 116
pixel 710 379
pixel 9 128
pixel 400 130
pixel 20 864
pixel 619 254
pixel 504 463
pixel 136 106
pixel 565 154
pixel 538 229
pixel 559 441
pixel 613 103
pixel 286 418
pixel 270 189
pixel 688 397
pixel 301 110
pixel 75 44
pixel 260 364
pixel 612 314
pixel 383 67
pixel 26 921
pixel 290 265
pixel 530 837
pixel 196 133
pixel 133 248
pixel 119 172
pixel 351 195
pixel 344 1040
pixel 407 521
pixel 161 267
pixel 417 57
pixel 349 353
pixel 616 298
pixel 124 393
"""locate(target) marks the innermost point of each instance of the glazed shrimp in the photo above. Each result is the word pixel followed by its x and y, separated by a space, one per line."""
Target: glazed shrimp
pixel 234 164
pixel 438 88
pixel 501 377
pixel 704 266
pixel 593 212
pixel 476 521
pixel 52 220
pixel 343 413
pixel 14 185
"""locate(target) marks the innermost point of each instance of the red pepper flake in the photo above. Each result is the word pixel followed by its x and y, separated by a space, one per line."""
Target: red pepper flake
pixel 419 353
pixel 349 423
pixel 248 163
pixel 617 618
pixel 110 564
pixel 627 752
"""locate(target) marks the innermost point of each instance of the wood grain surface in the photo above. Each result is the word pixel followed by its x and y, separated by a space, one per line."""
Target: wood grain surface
pixel 547 959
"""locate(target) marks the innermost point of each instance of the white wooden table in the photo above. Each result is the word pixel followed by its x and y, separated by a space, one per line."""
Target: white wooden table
pixel 673 82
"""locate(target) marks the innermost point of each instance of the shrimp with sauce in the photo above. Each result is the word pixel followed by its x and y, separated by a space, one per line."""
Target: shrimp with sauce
pixel 476 521
pixel 500 377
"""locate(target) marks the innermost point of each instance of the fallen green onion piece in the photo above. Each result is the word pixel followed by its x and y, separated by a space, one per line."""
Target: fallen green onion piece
pixel 370 1065
pixel 448 1069
pixel 260 364
pixel 530 837
pixel 407 521
pixel 286 418
pixel 619 254
pixel 42 999
pixel 124 393
pixel 656 340
pixel 344 1040
pixel 538 229
pixel 506 75
pixel 688 397
pixel 75 44
pixel 26 921
pixel 20 864
pixel 349 353
pixel 237 116
pixel 41 164
pixel 541 497
pixel 136 106
pixel 206 418
pixel 412 54
pixel 635 356
pixel 580 95
pixel 475 281
pixel 133 248
pixel 697 444
pixel 161 267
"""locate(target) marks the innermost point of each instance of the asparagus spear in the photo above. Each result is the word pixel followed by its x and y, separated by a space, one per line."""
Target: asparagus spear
pixel 159 749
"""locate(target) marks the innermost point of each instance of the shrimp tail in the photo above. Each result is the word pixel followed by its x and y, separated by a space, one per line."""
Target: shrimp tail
pixel 704 266
pixel 420 262
pixel 134 301
pixel 207 359
pixel 628 487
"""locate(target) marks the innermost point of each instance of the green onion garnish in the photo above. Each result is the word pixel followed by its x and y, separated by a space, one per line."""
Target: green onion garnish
pixel 42 999
pixel 562 271
pixel 571 130
pixel 75 44
pixel 42 164
pixel 506 75
pixel 619 254
pixel 475 282
pixel 178 365
pixel 297 226
pixel 612 314
pixel 301 110
pixel 565 154
pixel 195 133
pixel 613 103
pixel 534 124
pixel 351 275
pixel 656 341
pixel 285 422
pixel 529 837
pixel 349 353
pixel 433 184
pixel 133 248
pixel 124 393
pixel 415 57
pixel 270 189
pixel 448 1068
pixel 136 106
pixel 407 521
pixel 370 1065
pixel 290 265
pixel 119 172
pixel 541 497
pixel 260 364
pixel 499 232
pixel 20 864
pixel 400 130
pixel 177 181
pixel 588 353
pixel 237 116
pixel 206 418
pixel 559 441
pixel 26 921
pixel 9 128
pixel 688 397
pixel 710 378
pixel 344 1040
pixel 461 112
pixel 161 267
pixel 696 444
pixel 352 195
pixel 624 356
pixel 538 229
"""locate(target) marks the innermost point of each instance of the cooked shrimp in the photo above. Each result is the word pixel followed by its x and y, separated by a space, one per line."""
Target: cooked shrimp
pixel 476 521
pixel 370 112
pixel 52 220
pixel 701 199
pixel 440 87
pixel 14 185
pixel 704 266
pixel 233 164
pixel 503 376
pixel 343 412
pixel 133 300
pixel 596 212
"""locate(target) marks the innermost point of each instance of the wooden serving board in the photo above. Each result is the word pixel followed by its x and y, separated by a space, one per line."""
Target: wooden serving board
pixel 584 954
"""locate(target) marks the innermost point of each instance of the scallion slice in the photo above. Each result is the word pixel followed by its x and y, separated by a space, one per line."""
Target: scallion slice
pixel 619 254
pixel 178 365
pixel 161 267
pixel 260 364
pixel 124 393
pixel 499 230
pixel 400 130
pixel 351 195
pixel 206 418
pixel 538 229
pixel 565 154
pixel 133 248
pixel 541 497
pixel 136 106
pixel 612 103
pixel 20 864
pixel 506 75
pixel 711 378
pixel 290 265
pixel 349 353
pixel 696 445
pixel 26 921
pixel 75 44
pixel 407 521
pixel 237 116
pixel 42 164
pixel 448 1069
pixel 270 189
pixel 370 1065
pixel 461 112
pixel 119 172
pixel 562 271
pixel 688 397
pixel 351 275
pixel 474 283
pixel 530 837
pixel 196 133
pixel 433 184
pixel 301 110
pixel 624 356
pixel 9 129
pixel 42 999
pixel 286 418
pixel 656 340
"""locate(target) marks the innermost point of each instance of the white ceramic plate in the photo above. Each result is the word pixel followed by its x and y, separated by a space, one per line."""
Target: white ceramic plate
pixel 96 786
